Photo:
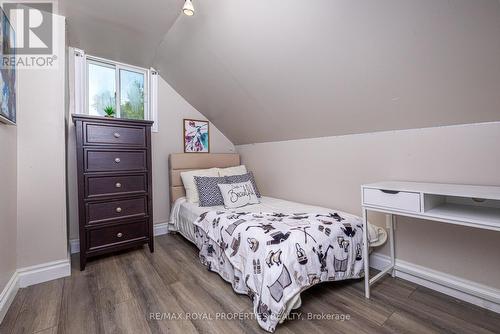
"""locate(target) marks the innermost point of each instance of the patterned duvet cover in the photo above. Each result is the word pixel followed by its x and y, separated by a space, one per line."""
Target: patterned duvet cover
pixel 272 257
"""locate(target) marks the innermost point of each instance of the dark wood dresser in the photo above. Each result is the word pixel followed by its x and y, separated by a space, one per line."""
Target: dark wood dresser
pixel 114 184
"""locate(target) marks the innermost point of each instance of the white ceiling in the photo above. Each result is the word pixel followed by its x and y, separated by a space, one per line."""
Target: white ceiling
pixel 122 30
pixel 266 70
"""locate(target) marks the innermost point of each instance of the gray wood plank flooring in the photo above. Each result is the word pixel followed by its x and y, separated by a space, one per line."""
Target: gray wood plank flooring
pixel 124 292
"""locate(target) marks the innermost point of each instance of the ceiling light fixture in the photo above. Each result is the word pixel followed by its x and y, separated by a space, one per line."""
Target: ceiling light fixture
pixel 188 8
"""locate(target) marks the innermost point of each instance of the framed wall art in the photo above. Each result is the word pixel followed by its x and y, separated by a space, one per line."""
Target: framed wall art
pixel 7 73
pixel 196 136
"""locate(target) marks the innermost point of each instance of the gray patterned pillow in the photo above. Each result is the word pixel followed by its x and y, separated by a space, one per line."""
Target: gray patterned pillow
pixel 243 178
pixel 208 190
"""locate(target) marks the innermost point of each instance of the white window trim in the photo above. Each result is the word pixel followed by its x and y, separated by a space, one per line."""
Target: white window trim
pixel 88 61
pixel 118 67
pixel 81 61
pixel 153 95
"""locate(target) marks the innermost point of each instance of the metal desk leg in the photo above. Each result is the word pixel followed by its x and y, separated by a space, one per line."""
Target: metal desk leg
pixel 366 253
pixel 390 269
pixel 390 220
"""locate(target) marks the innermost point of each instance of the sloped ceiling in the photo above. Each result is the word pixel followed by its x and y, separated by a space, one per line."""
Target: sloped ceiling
pixel 267 70
pixel 128 31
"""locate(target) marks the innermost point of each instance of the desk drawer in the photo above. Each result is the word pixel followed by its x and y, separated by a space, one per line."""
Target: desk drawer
pixel 112 161
pixel 100 212
pixel 401 200
pixel 106 134
pixel 118 234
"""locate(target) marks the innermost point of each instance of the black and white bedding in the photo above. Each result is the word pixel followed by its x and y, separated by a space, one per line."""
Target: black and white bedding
pixel 271 252
pixel 276 255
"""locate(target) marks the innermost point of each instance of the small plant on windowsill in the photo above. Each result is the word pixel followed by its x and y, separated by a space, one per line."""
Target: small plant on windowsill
pixel 109 111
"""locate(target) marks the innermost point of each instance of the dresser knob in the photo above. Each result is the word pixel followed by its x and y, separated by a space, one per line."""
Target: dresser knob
pixel 118 209
pixel 116 134
pixel 119 235
pixel 117 160
pixel 118 185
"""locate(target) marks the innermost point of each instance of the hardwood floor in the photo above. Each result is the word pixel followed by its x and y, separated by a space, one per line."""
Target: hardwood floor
pixel 122 294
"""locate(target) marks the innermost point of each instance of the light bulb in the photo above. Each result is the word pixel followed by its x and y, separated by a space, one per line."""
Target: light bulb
pixel 188 8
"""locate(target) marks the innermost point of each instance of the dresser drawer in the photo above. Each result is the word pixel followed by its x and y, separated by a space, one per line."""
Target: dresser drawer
pixel 100 212
pixel 117 234
pixel 114 184
pixel 114 160
pixel 98 186
pixel 397 200
pixel 107 134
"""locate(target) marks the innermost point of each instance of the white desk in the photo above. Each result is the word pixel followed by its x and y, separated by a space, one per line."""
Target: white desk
pixel 474 206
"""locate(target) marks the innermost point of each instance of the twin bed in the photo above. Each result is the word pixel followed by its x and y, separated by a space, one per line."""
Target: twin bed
pixel 271 251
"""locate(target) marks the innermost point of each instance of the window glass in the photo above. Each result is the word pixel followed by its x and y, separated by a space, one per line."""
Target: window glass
pixel 101 88
pixel 131 94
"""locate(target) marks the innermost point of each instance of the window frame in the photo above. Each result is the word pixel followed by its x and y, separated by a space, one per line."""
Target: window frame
pixel 117 66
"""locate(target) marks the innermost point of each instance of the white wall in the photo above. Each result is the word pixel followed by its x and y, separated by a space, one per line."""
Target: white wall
pixel 265 71
pixel 41 197
pixel 172 108
pixel 8 202
pixel 328 172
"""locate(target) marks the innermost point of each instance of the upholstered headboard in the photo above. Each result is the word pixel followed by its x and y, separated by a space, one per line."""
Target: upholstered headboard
pixel 181 162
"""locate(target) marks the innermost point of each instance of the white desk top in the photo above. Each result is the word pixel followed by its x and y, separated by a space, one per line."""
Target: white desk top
pixel 460 190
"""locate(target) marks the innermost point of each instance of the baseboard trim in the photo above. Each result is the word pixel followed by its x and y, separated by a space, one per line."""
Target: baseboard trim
pixel 8 294
pixel 24 277
pixel 469 291
pixel 43 272
pixel 158 229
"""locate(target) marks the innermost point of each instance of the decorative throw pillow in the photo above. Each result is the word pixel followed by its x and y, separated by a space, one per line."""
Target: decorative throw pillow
pixel 190 186
pixel 238 170
pixel 243 178
pixel 208 191
pixel 237 195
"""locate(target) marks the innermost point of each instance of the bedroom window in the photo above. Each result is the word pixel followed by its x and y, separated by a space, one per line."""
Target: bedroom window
pixel 104 87
pixel 117 89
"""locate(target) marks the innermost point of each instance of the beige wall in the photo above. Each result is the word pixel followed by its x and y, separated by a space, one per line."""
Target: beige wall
pixel 172 108
pixel 8 202
pixel 41 197
pixel 319 68
pixel 265 71
pixel 329 171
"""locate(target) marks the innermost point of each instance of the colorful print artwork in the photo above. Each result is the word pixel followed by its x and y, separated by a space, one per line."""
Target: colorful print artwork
pixel 7 74
pixel 196 136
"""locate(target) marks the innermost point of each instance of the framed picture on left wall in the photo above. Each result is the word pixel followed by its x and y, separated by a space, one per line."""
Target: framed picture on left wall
pixel 7 73
pixel 196 136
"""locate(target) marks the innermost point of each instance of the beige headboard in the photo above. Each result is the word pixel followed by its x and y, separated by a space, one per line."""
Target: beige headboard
pixel 181 162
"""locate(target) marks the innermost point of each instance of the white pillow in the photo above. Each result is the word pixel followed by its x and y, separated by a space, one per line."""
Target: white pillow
pixel 190 185
pixel 238 194
pixel 230 171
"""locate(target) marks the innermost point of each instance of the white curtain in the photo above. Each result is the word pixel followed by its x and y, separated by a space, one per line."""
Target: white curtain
pixel 76 78
pixel 153 94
